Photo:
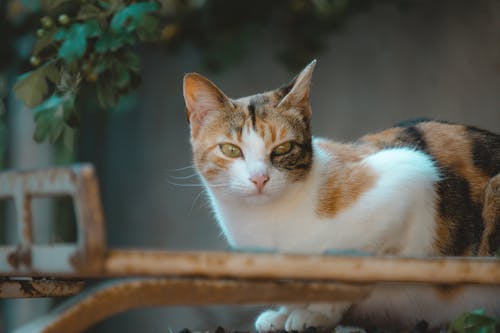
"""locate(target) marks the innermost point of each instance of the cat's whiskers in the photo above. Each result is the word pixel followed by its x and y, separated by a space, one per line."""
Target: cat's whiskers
pixel 198 196
pixel 216 185
pixel 191 166
pixel 186 185
pixel 170 173
pixel 184 177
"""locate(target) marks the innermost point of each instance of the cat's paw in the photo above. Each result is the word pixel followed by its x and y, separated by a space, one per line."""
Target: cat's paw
pixel 316 315
pixel 300 319
pixel 271 321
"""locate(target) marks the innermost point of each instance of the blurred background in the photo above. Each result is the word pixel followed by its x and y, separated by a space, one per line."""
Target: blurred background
pixel 101 82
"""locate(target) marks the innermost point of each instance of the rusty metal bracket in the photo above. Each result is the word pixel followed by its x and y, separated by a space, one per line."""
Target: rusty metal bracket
pixel 110 298
pixel 26 258
pixel 29 288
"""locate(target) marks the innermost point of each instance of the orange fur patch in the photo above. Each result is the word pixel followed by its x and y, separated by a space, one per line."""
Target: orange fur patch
pixel 491 214
pixel 346 179
pixel 384 138
pixel 282 134
pixel 272 132
pixel 444 142
pixel 451 147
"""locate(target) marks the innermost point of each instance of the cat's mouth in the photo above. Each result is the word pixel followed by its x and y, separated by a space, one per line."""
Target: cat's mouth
pixel 260 193
pixel 258 197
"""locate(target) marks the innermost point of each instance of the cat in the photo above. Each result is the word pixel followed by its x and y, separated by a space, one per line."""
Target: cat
pixel 420 188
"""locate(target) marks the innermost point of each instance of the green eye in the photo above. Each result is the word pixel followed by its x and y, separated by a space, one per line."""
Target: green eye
pixel 230 150
pixel 283 148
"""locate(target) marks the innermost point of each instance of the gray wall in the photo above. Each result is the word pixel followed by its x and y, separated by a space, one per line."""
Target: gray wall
pixel 438 59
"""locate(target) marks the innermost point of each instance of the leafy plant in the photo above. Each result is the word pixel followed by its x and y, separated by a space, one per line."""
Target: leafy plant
pixel 91 44
pixel 39 79
pixel 474 322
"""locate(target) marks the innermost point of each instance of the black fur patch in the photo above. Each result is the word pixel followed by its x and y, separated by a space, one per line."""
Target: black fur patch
pixel 412 137
pixel 284 90
pixel 251 111
pixel 464 216
pixel 485 150
pixel 298 162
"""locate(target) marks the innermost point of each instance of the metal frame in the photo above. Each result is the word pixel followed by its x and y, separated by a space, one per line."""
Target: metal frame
pixel 27 258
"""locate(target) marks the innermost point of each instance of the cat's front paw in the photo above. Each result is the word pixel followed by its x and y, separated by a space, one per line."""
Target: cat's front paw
pixel 271 321
pixel 300 319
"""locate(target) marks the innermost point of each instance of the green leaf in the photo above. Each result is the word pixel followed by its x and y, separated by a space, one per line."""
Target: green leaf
pixel 105 91
pixel 70 116
pixel 123 78
pixel 32 87
pixel 75 39
pixel 92 28
pixel 74 45
pixel 56 129
pixel 100 66
pixel 112 42
pixel 42 129
pixel 148 28
pixel 69 137
pixel 128 18
pixel 53 74
pixel 43 42
pixel 131 61
pixel 50 105
pixel 87 10
pixel 474 322
pixel 49 117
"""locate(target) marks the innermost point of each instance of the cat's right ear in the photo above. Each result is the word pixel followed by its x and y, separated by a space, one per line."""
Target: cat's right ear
pixel 202 97
pixel 296 93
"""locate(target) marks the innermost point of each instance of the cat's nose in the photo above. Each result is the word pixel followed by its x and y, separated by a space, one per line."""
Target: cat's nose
pixel 259 181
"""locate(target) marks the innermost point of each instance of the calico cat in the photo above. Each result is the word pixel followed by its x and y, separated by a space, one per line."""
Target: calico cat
pixel 421 188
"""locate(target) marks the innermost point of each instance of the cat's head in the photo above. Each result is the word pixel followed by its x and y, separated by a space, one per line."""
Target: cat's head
pixel 253 147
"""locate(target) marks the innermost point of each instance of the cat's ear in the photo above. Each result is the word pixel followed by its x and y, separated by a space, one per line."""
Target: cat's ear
pixel 202 97
pixel 296 93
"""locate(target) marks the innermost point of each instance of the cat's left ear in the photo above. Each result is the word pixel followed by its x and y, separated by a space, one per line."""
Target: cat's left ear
pixel 202 97
pixel 296 93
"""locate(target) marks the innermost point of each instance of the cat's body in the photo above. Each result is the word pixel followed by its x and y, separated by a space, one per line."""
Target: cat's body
pixel 418 189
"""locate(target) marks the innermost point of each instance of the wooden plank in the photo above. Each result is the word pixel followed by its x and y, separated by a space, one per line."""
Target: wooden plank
pixel 438 270
pixel 237 265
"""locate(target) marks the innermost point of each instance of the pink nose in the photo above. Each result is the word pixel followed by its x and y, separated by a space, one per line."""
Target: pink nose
pixel 259 181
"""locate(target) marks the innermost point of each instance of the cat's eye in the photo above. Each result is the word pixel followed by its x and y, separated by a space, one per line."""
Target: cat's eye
pixel 283 148
pixel 230 150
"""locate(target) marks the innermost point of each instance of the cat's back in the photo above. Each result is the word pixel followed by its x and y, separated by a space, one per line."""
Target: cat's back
pixel 468 151
pixel 467 158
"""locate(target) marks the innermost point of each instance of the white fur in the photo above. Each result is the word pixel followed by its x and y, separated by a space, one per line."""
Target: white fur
pixel 396 214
